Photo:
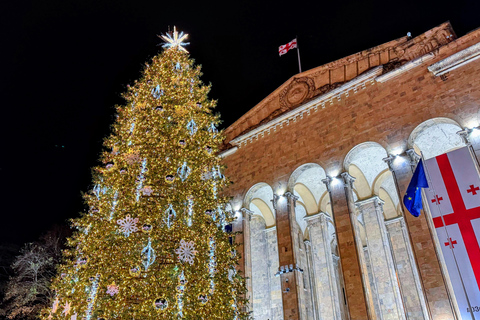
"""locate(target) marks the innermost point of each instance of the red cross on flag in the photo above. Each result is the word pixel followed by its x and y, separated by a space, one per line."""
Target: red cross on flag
pixel 284 48
pixel 453 194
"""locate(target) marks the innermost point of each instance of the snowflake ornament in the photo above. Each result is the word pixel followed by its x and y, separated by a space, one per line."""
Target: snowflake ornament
pixel 128 225
pixel 186 252
pixel 112 289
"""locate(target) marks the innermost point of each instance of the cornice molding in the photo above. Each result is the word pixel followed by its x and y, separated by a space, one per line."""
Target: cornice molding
pixel 227 152
pixel 456 60
pixel 309 107
pixel 406 67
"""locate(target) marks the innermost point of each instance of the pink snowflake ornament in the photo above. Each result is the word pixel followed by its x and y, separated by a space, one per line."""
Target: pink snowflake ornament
pixel 128 225
pixel 186 252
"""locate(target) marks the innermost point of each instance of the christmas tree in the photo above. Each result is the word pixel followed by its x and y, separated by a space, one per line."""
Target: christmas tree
pixel 153 243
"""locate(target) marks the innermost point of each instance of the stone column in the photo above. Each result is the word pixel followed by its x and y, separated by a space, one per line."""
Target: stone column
pixel 311 279
pixel 424 255
pixel 246 252
pixel 324 279
pixel 352 275
pixel 359 255
pixel 285 215
pixel 276 309
pixel 410 286
pixel 385 284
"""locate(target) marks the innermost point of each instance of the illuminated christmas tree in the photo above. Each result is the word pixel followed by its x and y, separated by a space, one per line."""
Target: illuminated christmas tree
pixel 153 243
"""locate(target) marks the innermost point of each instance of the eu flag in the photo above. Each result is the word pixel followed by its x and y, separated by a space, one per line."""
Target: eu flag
pixel 413 198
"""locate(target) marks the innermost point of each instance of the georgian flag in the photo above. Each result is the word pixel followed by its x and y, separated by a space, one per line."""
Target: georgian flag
pixel 454 201
pixel 284 48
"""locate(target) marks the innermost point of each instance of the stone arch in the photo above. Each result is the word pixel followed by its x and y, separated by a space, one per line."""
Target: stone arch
pixel 431 138
pixel 384 188
pixel 435 136
pixel 266 304
pixel 258 199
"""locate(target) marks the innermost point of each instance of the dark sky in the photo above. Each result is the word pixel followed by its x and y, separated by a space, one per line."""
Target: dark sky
pixel 65 64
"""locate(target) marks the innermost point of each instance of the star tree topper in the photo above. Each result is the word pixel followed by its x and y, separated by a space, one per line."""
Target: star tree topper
pixel 175 41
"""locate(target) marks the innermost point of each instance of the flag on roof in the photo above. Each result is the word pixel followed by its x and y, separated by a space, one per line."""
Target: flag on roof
pixel 284 48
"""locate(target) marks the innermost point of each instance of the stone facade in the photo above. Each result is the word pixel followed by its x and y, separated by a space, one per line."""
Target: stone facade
pixel 319 169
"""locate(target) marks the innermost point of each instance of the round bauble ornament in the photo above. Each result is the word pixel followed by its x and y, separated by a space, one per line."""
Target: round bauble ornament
pixel 160 304
pixel 170 178
pixel 147 228
pixel 159 108
pixel 182 143
pixel 203 298
pixel 208 149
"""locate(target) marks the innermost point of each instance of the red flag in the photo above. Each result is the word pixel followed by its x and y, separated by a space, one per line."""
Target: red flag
pixel 284 48
pixel 454 194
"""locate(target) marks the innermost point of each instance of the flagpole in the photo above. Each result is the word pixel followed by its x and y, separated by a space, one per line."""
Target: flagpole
pixel 430 185
pixel 298 54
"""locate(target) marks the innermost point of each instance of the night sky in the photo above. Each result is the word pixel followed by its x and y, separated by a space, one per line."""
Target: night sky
pixel 65 64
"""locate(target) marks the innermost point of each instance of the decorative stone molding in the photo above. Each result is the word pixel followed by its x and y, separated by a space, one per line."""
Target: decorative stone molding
pixel 299 90
pixel 388 160
pixel 328 181
pixel 306 109
pixel 228 152
pixel 406 67
pixel 247 213
pixel 315 219
pixel 393 220
pixel 275 200
pixel 414 157
pixel 456 60
pixel 348 180
pixel 291 196
pixel 375 199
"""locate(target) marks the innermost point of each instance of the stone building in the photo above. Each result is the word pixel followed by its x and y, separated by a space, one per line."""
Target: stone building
pixel 319 168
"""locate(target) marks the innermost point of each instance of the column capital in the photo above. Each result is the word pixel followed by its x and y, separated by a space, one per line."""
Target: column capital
pixel 348 179
pixel 393 220
pixel 388 160
pixel 414 157
pixel 328 181
pixel 246 213
pixel 464 135
pixel 377 202
pixel 316 218
pixel 291 196
pixel 275 200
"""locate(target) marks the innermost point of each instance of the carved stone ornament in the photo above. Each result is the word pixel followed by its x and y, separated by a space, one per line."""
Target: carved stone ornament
pixel 299 90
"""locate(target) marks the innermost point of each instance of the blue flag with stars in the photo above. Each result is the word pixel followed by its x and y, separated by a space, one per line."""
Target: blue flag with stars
pixel 413 198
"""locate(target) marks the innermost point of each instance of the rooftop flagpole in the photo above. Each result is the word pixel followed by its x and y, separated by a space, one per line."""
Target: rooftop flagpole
pixel 298 53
